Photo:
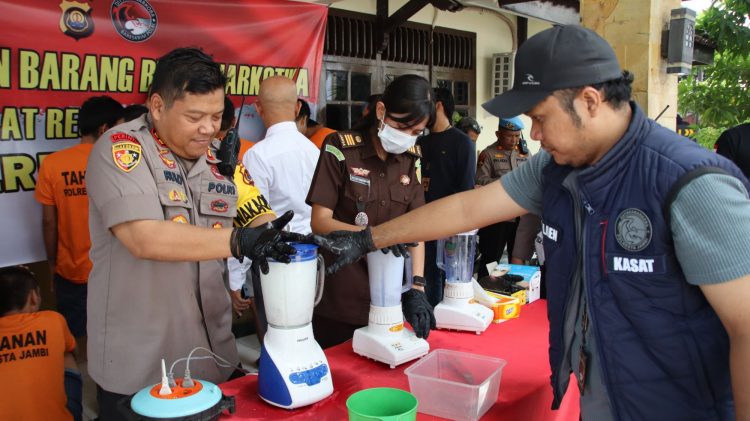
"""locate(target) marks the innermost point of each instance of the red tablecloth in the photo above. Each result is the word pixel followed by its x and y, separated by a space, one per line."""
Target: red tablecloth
pixel 525 392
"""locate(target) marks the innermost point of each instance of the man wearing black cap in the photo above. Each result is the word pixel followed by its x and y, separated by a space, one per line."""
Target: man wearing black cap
pixel 647 293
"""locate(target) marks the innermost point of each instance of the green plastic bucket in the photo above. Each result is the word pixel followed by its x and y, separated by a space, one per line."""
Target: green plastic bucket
pixel 382 403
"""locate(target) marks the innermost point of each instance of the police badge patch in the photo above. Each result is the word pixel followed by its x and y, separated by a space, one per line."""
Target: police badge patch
pixel 633 230
pixel 76 21
pixel 127 155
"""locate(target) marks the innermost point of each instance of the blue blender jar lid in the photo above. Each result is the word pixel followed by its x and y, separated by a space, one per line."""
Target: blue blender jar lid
pixel 305 252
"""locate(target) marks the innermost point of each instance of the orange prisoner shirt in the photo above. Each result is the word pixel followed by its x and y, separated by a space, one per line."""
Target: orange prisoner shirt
pixel 32 349
pixel 62 184
pixel 319 136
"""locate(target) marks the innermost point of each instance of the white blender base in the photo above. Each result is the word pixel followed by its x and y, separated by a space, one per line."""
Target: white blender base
pixel 460 311
pixel 293 370
pixel 385 339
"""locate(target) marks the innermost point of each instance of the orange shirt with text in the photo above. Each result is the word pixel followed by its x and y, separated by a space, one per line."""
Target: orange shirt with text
pixel 32 370
pixel 62 184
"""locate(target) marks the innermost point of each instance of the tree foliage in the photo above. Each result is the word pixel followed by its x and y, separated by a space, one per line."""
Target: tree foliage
pixel 719 93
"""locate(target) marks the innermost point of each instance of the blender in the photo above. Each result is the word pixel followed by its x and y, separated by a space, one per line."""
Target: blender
pixel 293 371
pixel 459 310
pixel 384 338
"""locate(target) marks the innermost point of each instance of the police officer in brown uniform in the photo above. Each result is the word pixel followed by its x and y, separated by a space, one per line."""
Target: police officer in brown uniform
pixel 161 217
pixel 495 161
pixel 369 176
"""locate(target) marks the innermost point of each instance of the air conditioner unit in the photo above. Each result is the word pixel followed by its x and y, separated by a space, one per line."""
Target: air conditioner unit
pixel 502 72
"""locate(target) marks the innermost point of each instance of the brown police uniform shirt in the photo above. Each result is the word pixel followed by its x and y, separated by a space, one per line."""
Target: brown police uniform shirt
pixel 494 162
pixel 141 311
pixel 350 178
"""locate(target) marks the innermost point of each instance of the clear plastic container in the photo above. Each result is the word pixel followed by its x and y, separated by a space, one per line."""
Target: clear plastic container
pixel 455 385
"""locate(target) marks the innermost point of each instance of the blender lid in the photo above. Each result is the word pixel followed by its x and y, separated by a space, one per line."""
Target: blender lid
pixel 305 252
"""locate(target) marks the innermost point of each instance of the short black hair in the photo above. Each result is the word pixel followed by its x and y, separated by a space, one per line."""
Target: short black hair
pixel 617 92
pixel 304 111
pixel 410 95
pixel 445 97
pixel 15 284
pixel 131 112
pixel 97 111
pixel 228 115
pixel 186 70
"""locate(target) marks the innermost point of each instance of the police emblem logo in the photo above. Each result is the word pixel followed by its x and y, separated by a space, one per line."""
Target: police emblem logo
pixel 633 230
pixel 404 180
pixel 76 21
pixel 177 196
pixel 126 155
pixel 134 20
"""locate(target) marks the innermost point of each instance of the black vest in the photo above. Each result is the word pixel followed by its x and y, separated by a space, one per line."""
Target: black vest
pixel 663 351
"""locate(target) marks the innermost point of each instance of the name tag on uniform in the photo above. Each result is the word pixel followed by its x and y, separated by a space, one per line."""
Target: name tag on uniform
pixel 550 232
pixel 639 264
pixel 359 180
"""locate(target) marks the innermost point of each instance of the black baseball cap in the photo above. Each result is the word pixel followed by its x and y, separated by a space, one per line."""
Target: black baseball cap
pixel 566 56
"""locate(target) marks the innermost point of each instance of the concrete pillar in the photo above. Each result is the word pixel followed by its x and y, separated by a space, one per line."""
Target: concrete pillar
pixel 633 28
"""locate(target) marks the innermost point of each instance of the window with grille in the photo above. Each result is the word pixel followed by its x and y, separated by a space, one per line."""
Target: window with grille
pixel 353 69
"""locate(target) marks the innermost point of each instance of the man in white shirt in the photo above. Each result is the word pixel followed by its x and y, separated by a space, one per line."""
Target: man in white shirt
pixel 283 163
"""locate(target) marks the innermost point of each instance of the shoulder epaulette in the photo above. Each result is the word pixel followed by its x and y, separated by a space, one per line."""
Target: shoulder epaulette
pixel 350 139
pixel 415 150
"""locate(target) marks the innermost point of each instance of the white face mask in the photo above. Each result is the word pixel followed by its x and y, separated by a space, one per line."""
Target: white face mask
pixel 395 141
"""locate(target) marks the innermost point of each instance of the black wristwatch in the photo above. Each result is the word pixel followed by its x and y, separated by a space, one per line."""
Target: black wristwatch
pixel 418 281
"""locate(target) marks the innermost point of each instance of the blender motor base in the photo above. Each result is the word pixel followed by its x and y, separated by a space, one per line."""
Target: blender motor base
pixel 472 317
pixel 389 349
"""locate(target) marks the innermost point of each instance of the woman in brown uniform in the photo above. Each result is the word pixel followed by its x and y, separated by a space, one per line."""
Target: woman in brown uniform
pixel 368 176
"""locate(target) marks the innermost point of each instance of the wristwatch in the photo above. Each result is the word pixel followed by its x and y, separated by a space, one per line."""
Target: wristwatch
pixel 418 281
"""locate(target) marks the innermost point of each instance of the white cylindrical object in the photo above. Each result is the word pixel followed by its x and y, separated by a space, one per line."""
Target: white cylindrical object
pixel 386 273
pixel 289 292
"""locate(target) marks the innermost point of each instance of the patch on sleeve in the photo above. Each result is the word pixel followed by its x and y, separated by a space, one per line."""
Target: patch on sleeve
pixel 126 155
pixel 418 170
pixel 122 137
pixel 335 151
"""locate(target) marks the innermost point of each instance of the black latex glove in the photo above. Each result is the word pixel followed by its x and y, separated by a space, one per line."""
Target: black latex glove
pixel 348 245
pixel 266 241
pixel 418 312
pixel 399 250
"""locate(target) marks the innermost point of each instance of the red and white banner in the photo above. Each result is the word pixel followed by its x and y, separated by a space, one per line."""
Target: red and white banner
pixel 56 54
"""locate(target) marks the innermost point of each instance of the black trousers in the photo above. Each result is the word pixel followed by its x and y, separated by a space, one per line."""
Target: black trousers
pixel 329 332
pixel 493 239
pixel 109 405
